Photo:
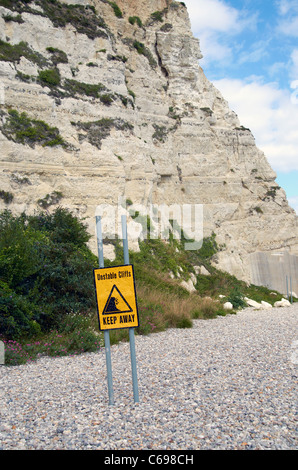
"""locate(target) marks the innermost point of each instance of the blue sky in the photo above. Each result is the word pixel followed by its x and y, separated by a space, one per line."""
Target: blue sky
pixel 250 50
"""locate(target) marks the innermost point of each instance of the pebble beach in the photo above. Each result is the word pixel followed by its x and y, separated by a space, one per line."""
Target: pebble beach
pixel 229 383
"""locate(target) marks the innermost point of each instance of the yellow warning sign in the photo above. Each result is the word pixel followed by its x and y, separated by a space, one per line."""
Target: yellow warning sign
pixel 116 297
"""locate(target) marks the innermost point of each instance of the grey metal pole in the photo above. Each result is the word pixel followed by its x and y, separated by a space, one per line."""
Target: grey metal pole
pixel 291 289
pixel 287 287
pixel 109 366
pixel 2 353
pixel 99 241
pixel 106 332
pixel 131 330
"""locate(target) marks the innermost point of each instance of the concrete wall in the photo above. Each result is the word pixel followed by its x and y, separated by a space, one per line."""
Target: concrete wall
pixel 272 269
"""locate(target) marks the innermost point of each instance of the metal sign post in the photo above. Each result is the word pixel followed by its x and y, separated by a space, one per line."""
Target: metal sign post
pixel 116 304
pixel 2 353
pixel 106 332
pixel 131 330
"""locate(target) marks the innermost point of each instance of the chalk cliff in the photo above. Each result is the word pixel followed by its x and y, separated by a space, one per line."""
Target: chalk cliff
pixel 116 105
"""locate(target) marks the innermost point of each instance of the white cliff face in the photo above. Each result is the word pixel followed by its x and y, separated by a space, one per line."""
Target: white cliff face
pixel 151 128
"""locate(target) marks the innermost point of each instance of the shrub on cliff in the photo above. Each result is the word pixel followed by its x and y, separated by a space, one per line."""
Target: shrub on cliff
pixel 22 129
pixel 50 77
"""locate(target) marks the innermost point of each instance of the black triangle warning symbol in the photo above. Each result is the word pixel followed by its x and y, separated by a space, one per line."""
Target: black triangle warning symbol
pixel 116 303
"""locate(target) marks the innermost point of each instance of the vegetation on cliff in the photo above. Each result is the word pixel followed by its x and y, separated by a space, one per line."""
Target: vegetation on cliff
pixel 14 52
pixel 22 129
pixel 47 298
pixel 83 18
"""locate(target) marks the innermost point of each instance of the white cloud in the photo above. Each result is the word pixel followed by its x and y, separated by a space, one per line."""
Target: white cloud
pixel 213 15
pixel 215 23
pixel 289 27
pixel 213 50
pixel 294 64
pixel 259 50
pixel 270 111
pixel 293 201
pixel 288 10
pixel 270 114
pixel 276 69
pixel 285 6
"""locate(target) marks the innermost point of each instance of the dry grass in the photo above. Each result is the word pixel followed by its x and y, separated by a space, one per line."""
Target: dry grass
pixel 171 311
pixel 208 308
pixel 162 306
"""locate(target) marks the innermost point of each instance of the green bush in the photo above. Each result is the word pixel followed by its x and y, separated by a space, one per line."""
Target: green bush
pixel 82 341
pixel 135 19
pixel 65 283
pixel 50 199
pixel 14 4
pixel 50 77
pixel 61 227
pixel 14 52
pixel 83 18
pixel 140 47
pixel 45 271
pixel 157 16
pixel 16 19
pixel 74 87
pixel 116 9
pixel 55 343
pixel 58 56
pixel 143 50
pixel 17 315
pixel 236 298
pixel 209 247
pixel 19 257
pixel 106 99
pixel 96 131
pixel 6 196
pixel 22 129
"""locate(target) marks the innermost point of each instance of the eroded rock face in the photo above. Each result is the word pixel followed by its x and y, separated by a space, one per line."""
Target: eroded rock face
pixel 139 120
pixel 141 8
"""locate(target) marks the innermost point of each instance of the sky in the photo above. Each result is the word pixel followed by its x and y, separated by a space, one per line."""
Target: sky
pixel 250 50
